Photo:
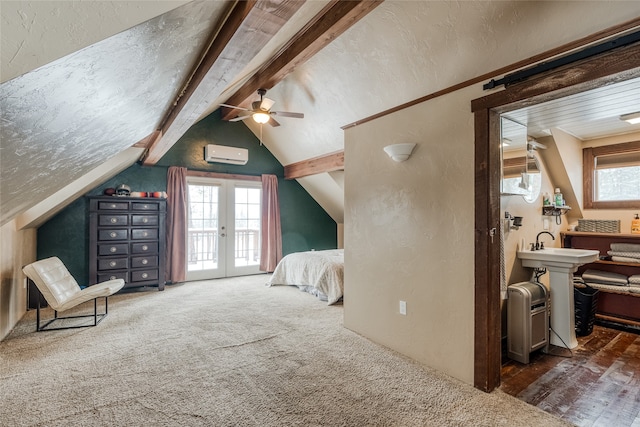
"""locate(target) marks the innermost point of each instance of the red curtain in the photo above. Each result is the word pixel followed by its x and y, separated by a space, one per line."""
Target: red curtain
pixel 271 249
pixel 176 224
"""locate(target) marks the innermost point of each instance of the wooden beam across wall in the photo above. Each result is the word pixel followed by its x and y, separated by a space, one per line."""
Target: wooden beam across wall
pixel 328 163
pixel 334 19
pixel 242 32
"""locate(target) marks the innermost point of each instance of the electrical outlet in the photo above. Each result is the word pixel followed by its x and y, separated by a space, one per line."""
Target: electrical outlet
pixel 545 224
pixel 403 308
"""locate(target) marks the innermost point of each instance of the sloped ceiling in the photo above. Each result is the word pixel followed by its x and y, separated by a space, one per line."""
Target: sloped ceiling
pixel 110 84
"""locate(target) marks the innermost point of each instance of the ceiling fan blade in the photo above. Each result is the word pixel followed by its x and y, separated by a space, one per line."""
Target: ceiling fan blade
pixel 289 114
pixel 266 104
pixel 237 119
pixel 235 107
pixel 273 122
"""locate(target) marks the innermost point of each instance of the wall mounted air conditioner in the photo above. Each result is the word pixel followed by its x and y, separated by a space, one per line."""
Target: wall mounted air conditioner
pixel 224 154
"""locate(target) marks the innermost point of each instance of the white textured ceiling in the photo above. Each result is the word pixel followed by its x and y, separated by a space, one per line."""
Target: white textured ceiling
pixel 400 51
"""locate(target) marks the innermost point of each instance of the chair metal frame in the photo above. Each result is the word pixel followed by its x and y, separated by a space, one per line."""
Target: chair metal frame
pixel 97 317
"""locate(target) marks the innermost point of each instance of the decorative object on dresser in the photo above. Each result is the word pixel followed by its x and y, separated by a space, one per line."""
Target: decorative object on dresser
pixel 127 240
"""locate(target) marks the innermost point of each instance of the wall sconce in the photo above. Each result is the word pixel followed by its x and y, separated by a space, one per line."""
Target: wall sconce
pixel 399 152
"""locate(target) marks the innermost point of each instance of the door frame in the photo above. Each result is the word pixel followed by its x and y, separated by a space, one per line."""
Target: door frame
pixel 226 181
pixel 607 68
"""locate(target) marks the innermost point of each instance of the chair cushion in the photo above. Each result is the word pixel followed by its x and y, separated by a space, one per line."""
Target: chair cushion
pixel 103 289
pixel 60 289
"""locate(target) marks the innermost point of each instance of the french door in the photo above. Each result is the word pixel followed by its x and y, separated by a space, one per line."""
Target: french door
pixel 223 228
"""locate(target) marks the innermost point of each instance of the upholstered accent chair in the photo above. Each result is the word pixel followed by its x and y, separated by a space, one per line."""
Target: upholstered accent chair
pixel 62 292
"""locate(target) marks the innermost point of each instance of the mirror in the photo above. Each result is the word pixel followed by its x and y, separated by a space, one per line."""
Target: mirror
pixel 520 168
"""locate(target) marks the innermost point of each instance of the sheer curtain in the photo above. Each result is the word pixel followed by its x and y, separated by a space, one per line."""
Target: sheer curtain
pixel 176 256
pixel 271 250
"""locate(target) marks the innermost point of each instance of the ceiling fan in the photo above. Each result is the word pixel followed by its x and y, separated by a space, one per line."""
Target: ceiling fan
pixel 261 111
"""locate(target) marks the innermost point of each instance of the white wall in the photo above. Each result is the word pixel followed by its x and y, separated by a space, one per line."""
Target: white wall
pixel 409 233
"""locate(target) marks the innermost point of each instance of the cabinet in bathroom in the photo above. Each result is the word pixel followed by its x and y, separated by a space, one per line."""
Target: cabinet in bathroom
pixel 613 306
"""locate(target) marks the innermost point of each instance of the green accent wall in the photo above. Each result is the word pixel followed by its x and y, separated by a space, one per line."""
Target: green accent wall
pixel 305 225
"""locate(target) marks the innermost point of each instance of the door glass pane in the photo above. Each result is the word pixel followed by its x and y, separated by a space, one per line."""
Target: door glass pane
pixel 247 226
pixel 202 229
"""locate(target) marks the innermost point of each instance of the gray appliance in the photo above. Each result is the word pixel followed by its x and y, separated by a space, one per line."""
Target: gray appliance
pixel 527 319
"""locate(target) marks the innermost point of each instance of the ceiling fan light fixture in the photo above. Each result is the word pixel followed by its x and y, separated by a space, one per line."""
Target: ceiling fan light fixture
pixel 260 117
pixel 633 118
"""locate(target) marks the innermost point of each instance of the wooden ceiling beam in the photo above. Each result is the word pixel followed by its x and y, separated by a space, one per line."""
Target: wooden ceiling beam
pixel 243 31
pixel 327 163
pixel 334 19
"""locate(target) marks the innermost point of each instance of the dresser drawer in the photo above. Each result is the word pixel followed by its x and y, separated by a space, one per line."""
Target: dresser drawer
pixel 113 219
pixel 144 234
pixel 143 248
pixel 113 249
pixel 144 261
pixel 141 206
pixel 113 234
pixel 113 206
pixel 142 275
pixel 113 264
pixel 103 277
pixel 144 219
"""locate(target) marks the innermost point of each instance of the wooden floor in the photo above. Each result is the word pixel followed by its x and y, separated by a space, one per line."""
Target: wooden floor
pixel 599 385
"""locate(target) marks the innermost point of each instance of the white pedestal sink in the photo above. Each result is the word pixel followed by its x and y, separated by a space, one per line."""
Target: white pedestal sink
pixel 561 263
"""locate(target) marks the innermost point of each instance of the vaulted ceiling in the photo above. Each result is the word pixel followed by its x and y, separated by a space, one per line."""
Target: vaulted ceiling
pixel 89 84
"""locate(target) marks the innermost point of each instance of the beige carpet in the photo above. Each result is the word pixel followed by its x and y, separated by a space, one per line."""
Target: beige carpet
pixel 230 352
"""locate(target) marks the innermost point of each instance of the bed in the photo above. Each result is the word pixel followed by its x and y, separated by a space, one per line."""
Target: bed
pixel 320 273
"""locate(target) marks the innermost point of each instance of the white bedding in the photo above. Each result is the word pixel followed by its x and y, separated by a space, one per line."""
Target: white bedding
pixel 317 272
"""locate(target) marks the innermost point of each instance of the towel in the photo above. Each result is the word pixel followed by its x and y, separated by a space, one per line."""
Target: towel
pixel 625 247
pixel 625 254
pixel 634 280
pixel 613 288
pixel 605 277
pixel 624 259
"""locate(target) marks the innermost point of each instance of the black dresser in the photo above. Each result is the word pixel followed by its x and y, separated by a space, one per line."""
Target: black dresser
pixel 127 240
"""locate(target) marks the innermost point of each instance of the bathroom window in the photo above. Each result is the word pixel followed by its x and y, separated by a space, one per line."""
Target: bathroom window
pixel 611 176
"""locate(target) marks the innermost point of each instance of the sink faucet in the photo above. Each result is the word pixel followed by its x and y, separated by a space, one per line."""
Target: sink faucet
pixel 540 245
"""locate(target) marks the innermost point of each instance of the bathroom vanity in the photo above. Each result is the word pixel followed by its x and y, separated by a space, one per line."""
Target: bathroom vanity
pixel 617 306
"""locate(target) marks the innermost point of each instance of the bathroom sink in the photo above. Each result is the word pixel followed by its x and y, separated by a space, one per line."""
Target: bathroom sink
pixel 557 257
pixel 561 263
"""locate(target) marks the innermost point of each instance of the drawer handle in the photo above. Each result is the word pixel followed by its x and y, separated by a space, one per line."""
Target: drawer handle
pixel 145 234
pixel 113 206
pixel 145 247
pixel 112 278
pixel 113 249
pixel 145 220
pixel 113 234
pixel 145 261
pixel 114 220
pixel 145 275
pixel 145 206
pixel 112 263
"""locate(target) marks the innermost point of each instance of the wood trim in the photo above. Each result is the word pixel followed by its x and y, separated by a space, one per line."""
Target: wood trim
pixel 560 50
pixel 334 19
pixel 589 155
pixel 219 175
pixel 611 67
pixel 487 332
pixel 321 164
pixel 487 212
pixel 587 177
